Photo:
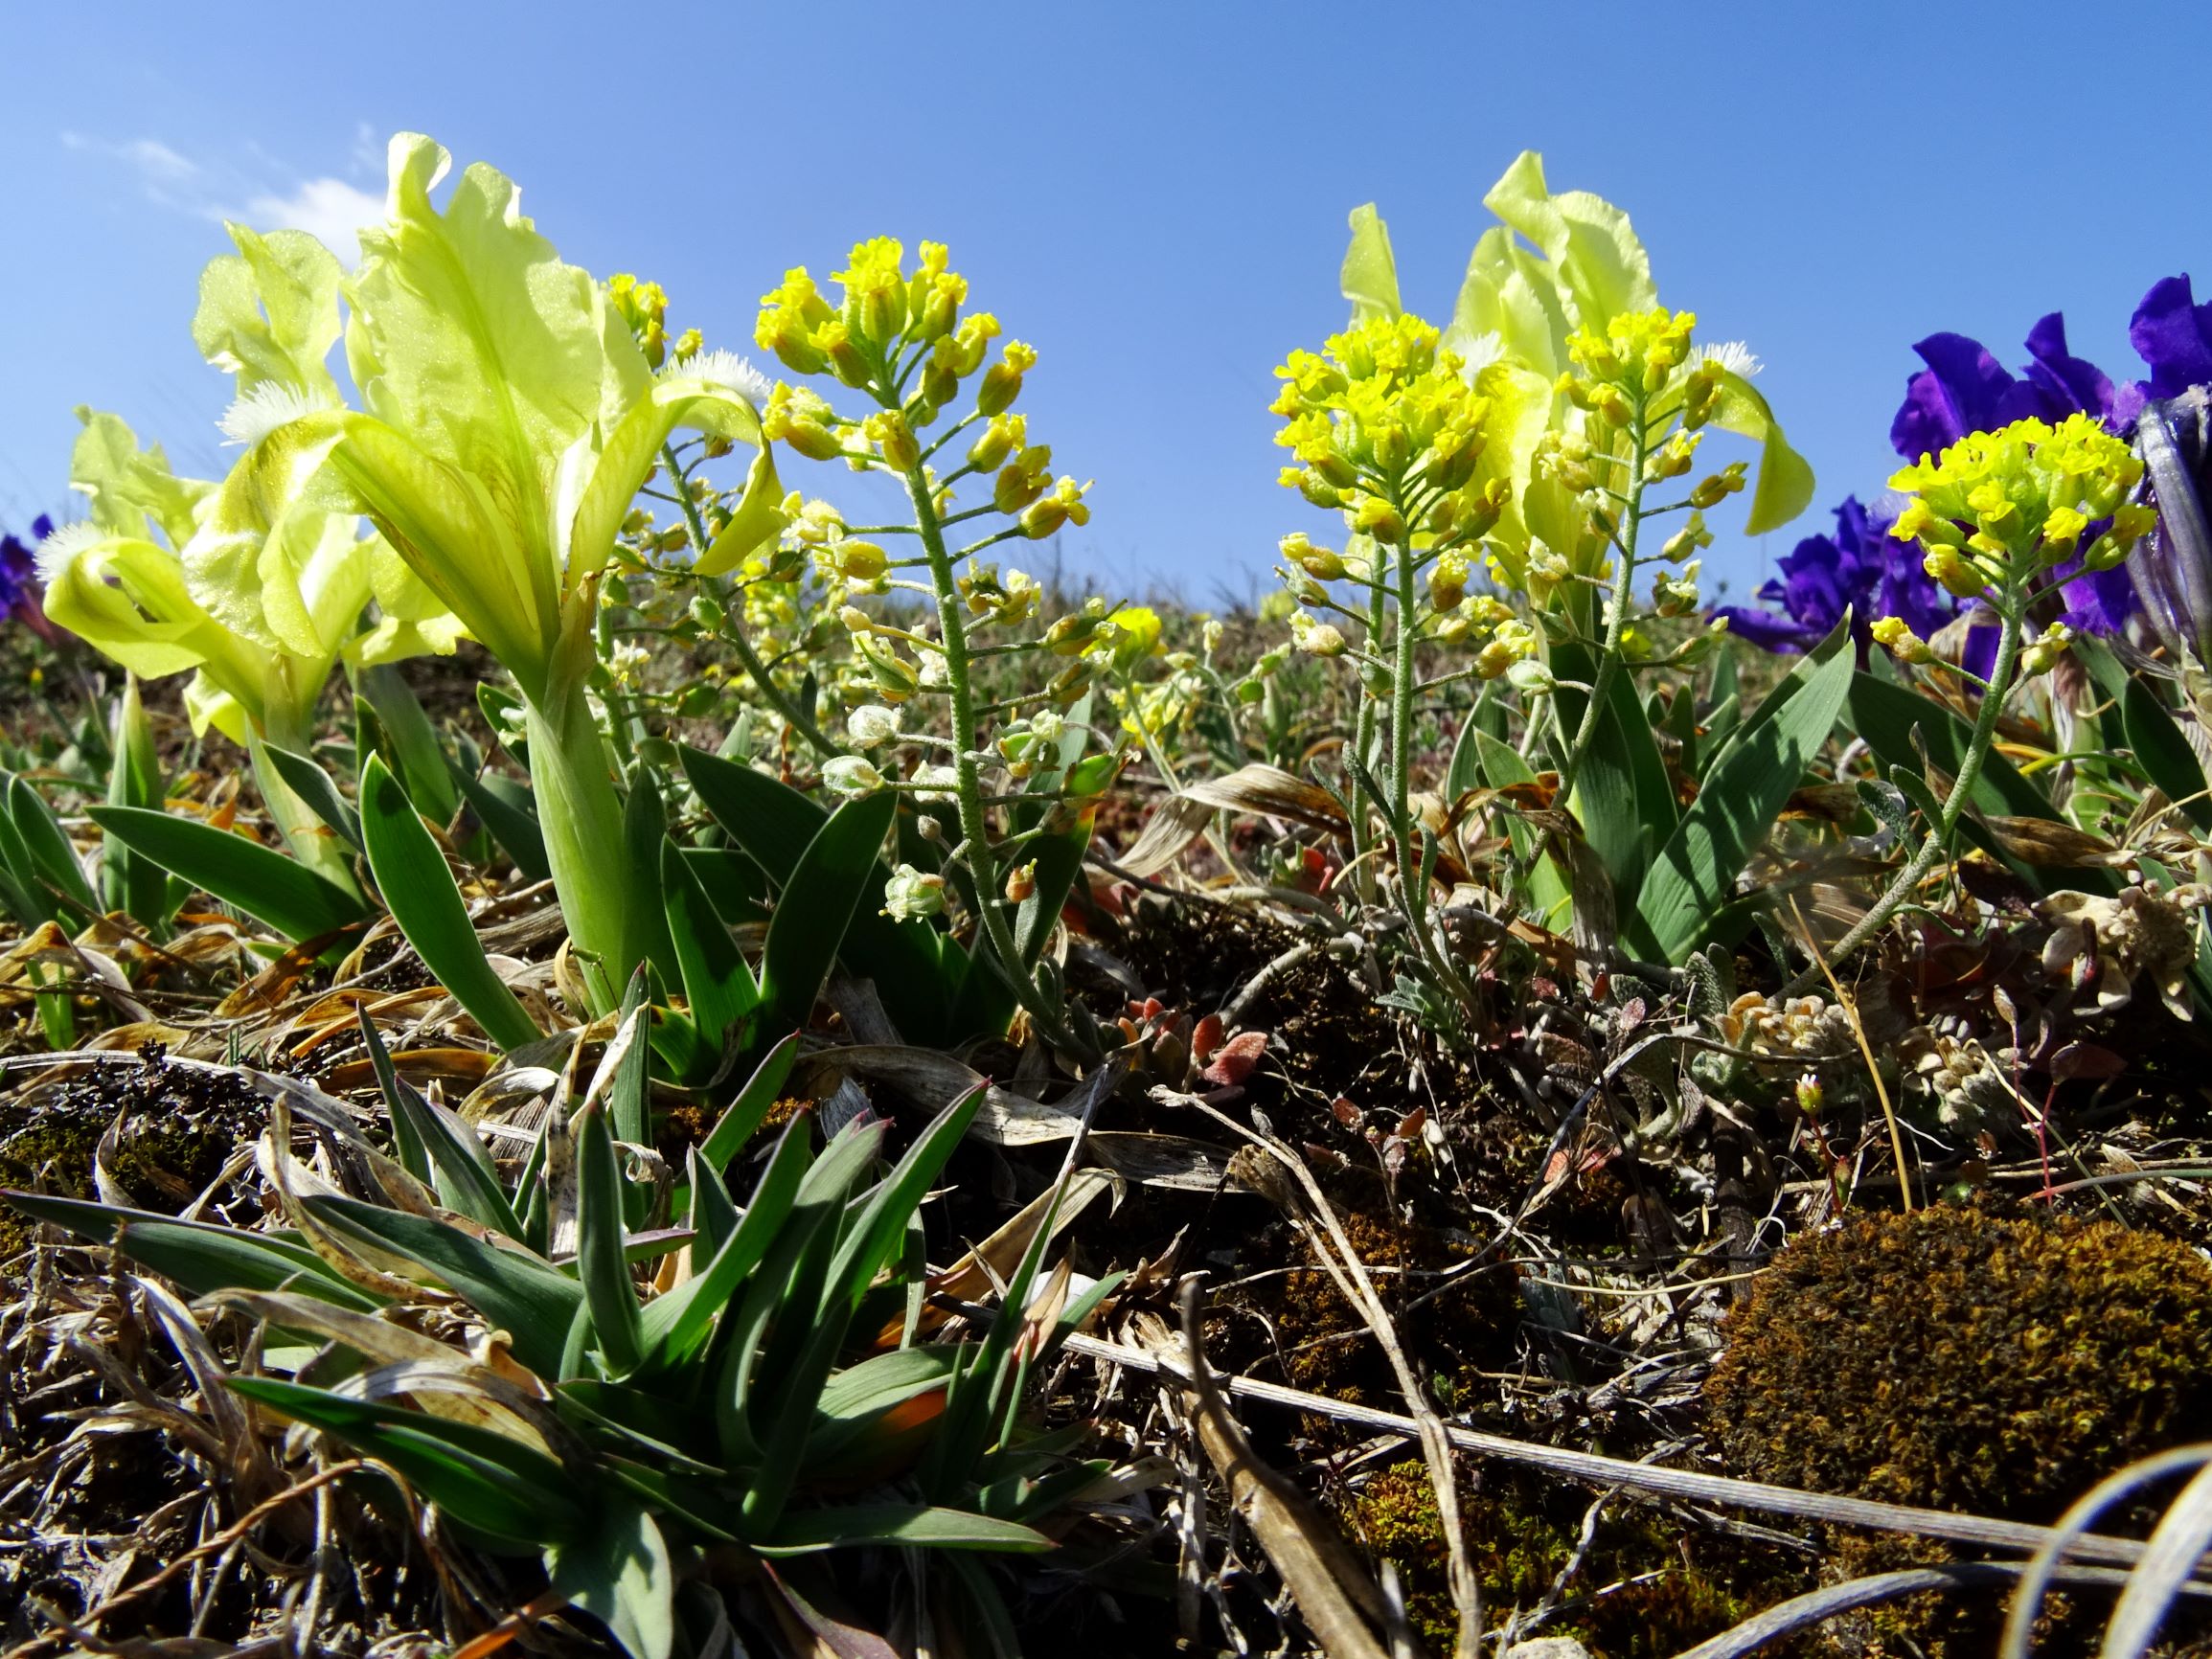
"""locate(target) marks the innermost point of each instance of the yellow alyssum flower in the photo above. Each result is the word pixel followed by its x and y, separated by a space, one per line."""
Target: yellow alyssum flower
pixel 2030 491
pixel 1381 414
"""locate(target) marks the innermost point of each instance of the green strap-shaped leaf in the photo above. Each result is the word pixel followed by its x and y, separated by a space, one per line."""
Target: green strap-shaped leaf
pixel 519 1294
pixel 266 885
pixel 674 1326
pixel 817 905
pixel 750 1109
pixel 317 788
pixel 789 1277
pixel 874 1235
pixel 47 845
pixel 506 1490
pixel 131 883
pixel 914 973
pixel 916 1526
pixel 719 985
pixel 1501 767
pixel 618 1572
pixel 1624 798
pixel 457 1160
pixel 2164 752
pixel 1695 875
pixel 601 1263
pixel 504 807
pixel 425 767
pixel 420 891
pixel 198 1255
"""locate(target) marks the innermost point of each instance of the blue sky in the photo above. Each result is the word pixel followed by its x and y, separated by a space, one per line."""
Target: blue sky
pixel 1155 194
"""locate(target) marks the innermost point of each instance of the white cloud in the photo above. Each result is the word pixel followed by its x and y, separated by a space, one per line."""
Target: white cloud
pixel 160 169
pixel 329 209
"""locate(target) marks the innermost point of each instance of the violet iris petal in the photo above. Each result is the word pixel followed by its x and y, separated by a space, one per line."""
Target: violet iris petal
pixel 2174 335
pixel 1965 389
pixel 2073 384
pixel 16 567
pixel 1765 630
pixel 20 576
pixel 1859 567
pixel 1962 390
pixel 1978 656
pixel 2097 603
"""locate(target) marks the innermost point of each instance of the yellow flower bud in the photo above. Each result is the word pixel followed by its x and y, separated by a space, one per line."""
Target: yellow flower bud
pixel 999 440
pixel 894 439
pixel 1953 573
pixel 834 339
pixel 1041 517
pixel 1316 638
pixel 1322 563
pixel 1712 491
pixel 1448 582
pixel 2041 654
pixel 1376 517
pixel 1002 380
pixel 861 560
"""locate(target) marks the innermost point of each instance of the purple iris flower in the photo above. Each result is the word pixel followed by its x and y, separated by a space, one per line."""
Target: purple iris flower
pixel 18 578
pixel 1965 389
pixel 1859 567
pixel 2174 335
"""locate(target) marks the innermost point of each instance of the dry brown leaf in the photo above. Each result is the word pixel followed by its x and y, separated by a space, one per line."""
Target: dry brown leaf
pixel 1271 792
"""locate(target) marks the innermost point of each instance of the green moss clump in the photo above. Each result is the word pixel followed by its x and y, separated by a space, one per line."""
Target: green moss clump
pixel 1964 1360
pixel 1521 1532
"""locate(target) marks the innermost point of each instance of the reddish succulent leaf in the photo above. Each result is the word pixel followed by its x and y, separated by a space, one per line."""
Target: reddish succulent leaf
pixel 1206 1036
pixel 1238 1057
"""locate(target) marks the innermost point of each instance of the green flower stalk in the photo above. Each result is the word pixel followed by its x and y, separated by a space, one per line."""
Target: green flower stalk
pixel 508 420
pixel 1991 515
pixel 1389 428
pixel 901 340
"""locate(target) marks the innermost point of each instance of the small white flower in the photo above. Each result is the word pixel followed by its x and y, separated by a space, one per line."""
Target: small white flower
pixel 872 726
pixel 911 894
pixel 851 775
pixel 936 783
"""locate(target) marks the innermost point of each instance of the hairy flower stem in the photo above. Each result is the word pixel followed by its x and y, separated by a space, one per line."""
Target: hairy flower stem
pixel 991 922
pixel 1915 872
pixel 1401 690
pixel 1364 740
pixel 794 716
pixel 1617 622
